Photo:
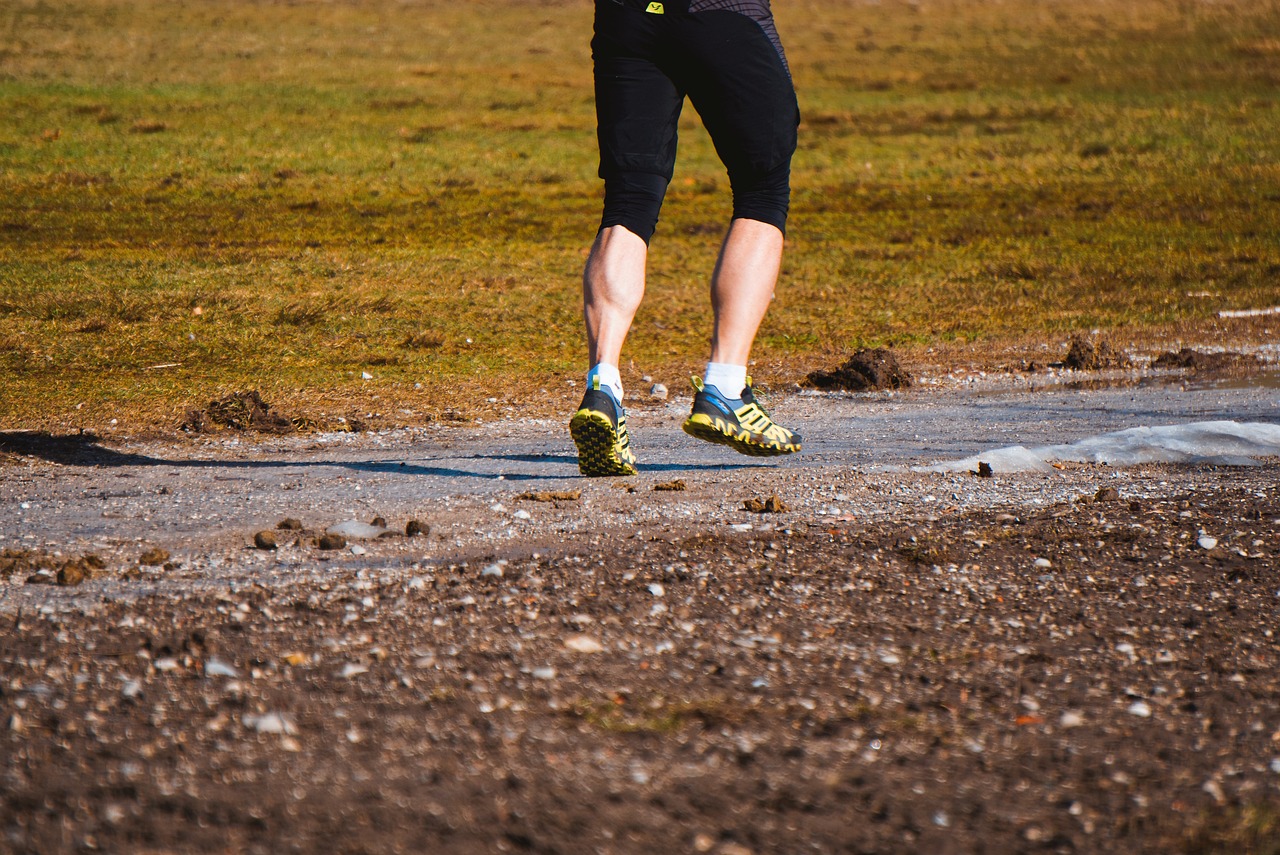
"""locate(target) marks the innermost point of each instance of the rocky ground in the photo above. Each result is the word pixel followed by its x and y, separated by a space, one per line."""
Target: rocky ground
pixel 824 655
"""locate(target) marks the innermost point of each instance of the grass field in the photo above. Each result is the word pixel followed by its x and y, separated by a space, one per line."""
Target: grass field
pixel 288 197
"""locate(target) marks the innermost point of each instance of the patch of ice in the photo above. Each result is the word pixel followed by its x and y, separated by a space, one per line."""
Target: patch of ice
pixel 356 529
pixel 1221 443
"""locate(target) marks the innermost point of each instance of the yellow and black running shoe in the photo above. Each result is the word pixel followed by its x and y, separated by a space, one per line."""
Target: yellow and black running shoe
pixel 599 429
pixel 740 423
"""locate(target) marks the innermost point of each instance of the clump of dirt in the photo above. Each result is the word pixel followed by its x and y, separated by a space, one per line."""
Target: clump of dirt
pixel 675 486
pixel 869 369
pixel 239 411
pixel 1084 355
pixel 43 569
pixel 551 496
pixel 1195 360
pixel 771 505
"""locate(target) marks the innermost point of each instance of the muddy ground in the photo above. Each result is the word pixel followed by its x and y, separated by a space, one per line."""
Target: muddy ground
pixel 887 661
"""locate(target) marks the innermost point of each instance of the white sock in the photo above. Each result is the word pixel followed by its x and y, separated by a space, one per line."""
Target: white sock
pixel 729 379
pixel 609 376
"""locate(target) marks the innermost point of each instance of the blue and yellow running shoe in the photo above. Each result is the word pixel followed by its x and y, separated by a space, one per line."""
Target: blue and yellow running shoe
pixel 599 429
pixel 740 423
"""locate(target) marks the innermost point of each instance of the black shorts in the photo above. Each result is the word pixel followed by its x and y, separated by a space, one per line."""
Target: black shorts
pixel 723 54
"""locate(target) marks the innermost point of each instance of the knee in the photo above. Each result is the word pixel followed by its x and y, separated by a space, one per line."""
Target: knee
pixel 633 200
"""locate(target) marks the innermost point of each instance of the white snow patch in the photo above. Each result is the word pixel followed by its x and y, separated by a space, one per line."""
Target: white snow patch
pixel 1222 443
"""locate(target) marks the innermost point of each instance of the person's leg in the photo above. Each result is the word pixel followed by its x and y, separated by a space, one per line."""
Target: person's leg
pixel 742 287
pixel 612 287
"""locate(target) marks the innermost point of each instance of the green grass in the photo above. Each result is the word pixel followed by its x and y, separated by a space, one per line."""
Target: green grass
pixel 285 197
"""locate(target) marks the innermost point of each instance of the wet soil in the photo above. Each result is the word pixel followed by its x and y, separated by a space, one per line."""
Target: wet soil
pixel 1088 675
pixel 866 370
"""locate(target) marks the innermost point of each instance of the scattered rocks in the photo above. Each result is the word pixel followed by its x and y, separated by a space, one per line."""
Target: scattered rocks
pixel 265 540
pixel 867 370
pixel 675 486
pixel 1084 355
pixel 771 505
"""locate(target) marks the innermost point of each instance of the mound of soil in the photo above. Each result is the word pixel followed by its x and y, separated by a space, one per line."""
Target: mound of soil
pixel 1083 355
pixel 1196 360
pixel 239 411
pixel 867 370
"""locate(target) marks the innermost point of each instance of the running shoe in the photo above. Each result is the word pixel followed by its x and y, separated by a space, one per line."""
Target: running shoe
pixel 599 429
pixel 740 423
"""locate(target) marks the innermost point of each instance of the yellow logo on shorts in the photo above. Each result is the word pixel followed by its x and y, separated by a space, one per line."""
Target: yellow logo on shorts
pixel 656 9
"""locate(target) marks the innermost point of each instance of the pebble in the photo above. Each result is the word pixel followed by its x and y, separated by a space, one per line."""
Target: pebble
pixel 1070 719
pixel 131 689
pixel 1141 709
pixel 658 392
pixel 218 668
pixel 351 669
pixel 357 549
pixel 272 722
pixel 583 644
pixel 493 570
pixel 544 673
pixel 265 540
pixel 1043 562
pixel 1206 542
pixel 1275 765
pixel 522 515
pixel 657 590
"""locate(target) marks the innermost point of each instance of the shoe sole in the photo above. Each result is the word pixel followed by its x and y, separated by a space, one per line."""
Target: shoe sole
pixel 722 433
pixel 597 442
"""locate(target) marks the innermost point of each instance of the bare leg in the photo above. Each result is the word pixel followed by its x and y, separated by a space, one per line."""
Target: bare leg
pixel 612 287
pixel 742 287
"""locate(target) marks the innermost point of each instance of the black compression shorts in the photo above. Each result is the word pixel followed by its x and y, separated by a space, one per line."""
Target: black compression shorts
pixel 725 55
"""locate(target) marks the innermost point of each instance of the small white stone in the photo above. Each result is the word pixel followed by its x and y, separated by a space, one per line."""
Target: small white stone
pixel 583 644
pixel 522 515
pixel 272 722
pixel 1141 709
pixel 492 570
pixel 1043 562
pixel 357 549
pixel 218 668
pixel 351 669
pixel 365 375
pixel 544 673
pixel 657 590
pixel 168 663
pixel 658 392
pixel 1070 719
pixel 1206 542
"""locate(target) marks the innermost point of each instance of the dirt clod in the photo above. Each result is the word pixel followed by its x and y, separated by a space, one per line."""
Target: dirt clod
pixel 1196 360
pixel 984 470
pixel 331 541
pixel 551 496
pixel 1084 355
pixel 74 573
pixel 289 524
pixel 245 411
pixel 670 486
pixel 1107 494
pixel 417 527
pixel 771 505
pixel 869 369
pixel 265 540
pixel 154 557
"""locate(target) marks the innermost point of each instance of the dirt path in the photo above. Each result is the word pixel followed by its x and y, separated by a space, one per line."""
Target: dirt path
pixel 899 661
